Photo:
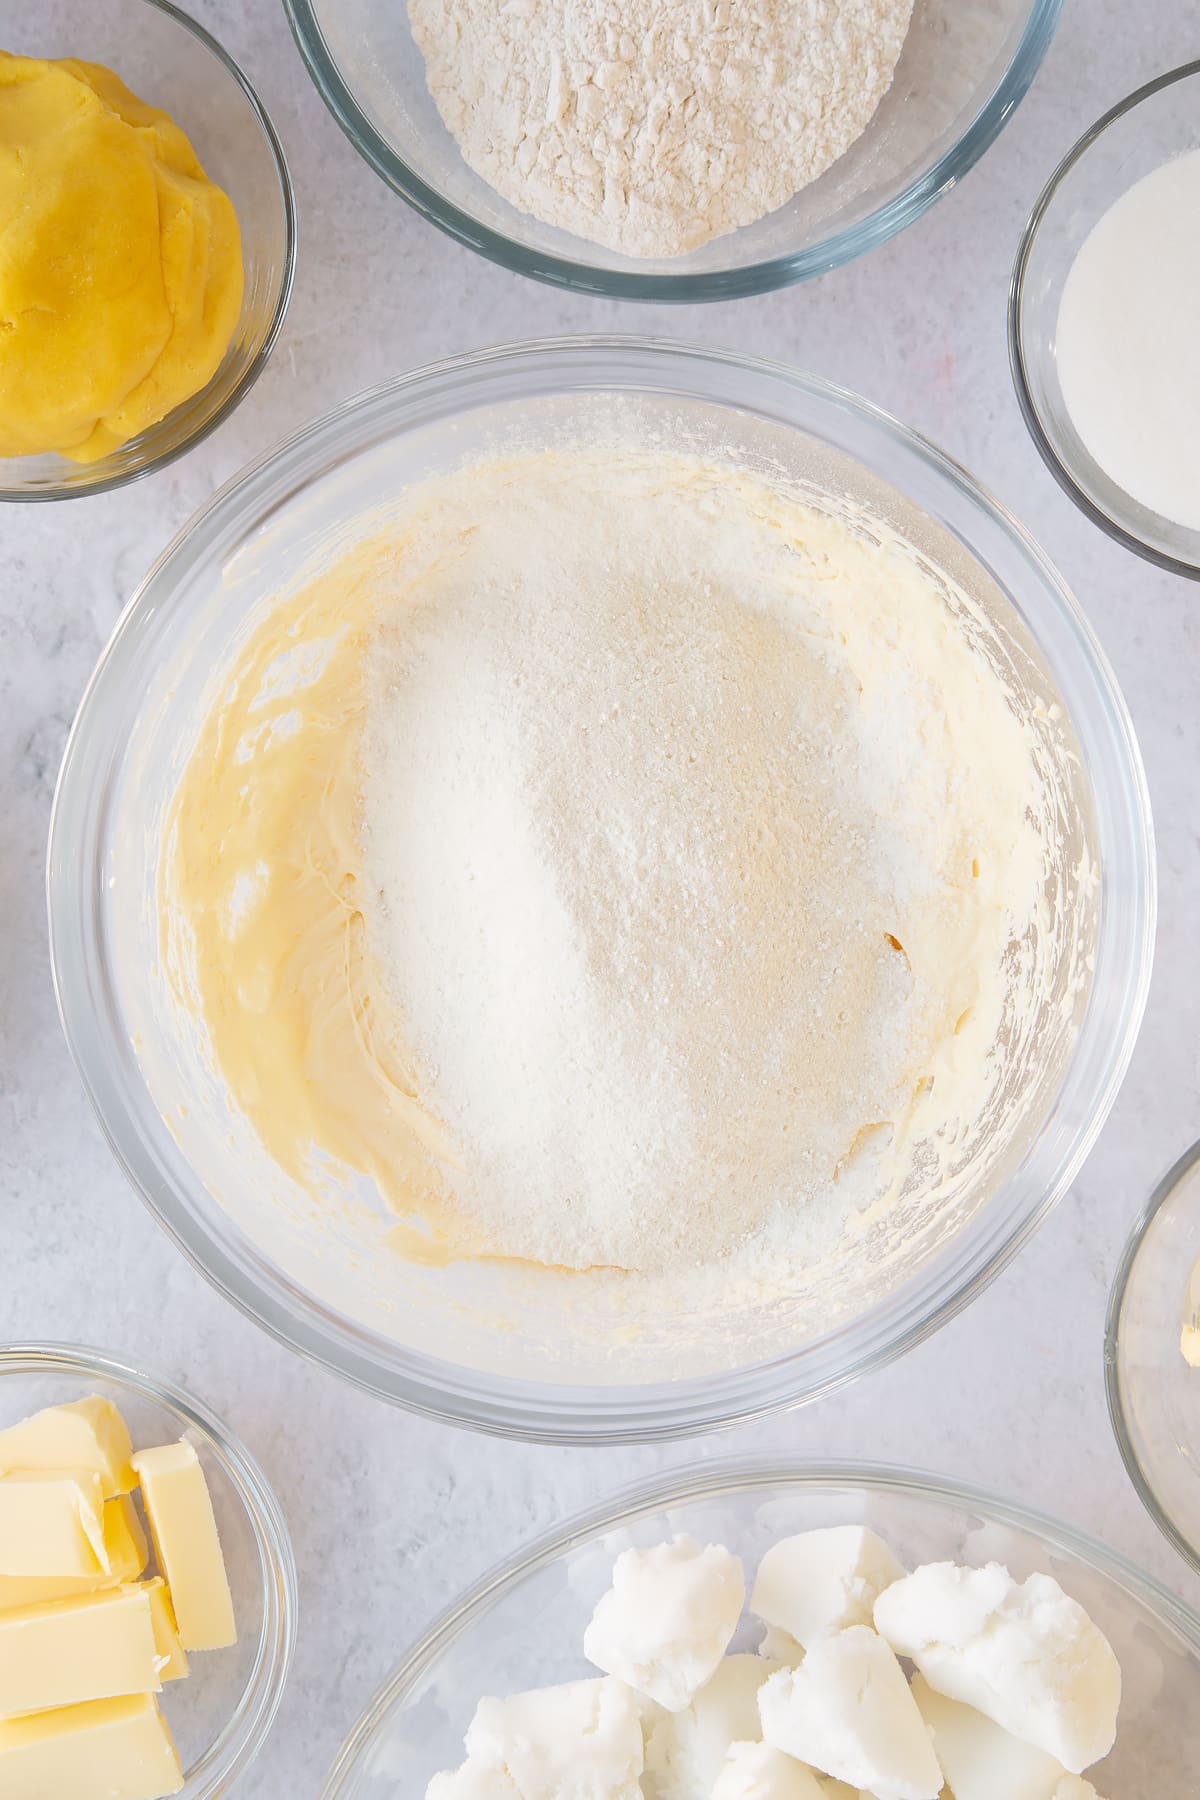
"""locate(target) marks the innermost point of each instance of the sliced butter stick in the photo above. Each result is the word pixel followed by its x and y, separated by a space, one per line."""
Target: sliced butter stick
pixel 120 1749
pixel 52 1524
pixel 124 1545
pixel 86 1434
pixel 172 1658
pixel 185 1537
pixel 92 1648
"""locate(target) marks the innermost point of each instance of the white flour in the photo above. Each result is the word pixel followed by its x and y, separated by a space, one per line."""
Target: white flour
pixel 1128 341
pixel 694 827
pixel 652 128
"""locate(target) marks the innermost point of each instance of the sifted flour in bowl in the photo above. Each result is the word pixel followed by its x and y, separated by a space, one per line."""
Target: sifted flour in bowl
pixel 626 863
pixel 652 129
pixel 653 865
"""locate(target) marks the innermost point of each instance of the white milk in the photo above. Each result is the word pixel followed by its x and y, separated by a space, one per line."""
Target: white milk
pixel 1128 341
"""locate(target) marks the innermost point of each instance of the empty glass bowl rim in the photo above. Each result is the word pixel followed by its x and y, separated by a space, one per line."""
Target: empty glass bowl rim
pixel 1019 362
pixel 685 289
pixel 1117 1412
pixel 243 1736
pixel 527 1408
pixel 719 1480
pixel 254 368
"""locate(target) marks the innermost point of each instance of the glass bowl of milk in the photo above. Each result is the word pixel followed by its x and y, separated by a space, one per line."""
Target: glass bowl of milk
pixel 1104 322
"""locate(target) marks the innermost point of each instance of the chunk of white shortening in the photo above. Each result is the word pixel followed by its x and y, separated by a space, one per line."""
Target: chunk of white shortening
pixel 980 1760
pixel 760 1772
pixel 781 1647
pixel 473 1781
pixel 666 1622
pixel 1022 1653
pixel 685 1750
pixel 823 1581
pixel 848 1712
pixel 581 1741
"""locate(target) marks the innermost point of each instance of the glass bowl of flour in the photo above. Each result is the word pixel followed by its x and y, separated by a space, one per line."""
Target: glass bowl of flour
pixel 602 889
pixel 662 155
pixel 523 1625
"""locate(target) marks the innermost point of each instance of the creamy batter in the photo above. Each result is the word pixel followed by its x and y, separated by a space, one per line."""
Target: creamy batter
pixel 665 1026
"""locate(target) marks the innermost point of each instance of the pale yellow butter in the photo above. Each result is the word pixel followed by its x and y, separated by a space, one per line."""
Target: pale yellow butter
pixel 124 1544
pixel 184 1530
pixel 104 1750
pixel 52 1524
pixel 172 1658
pixel 91 1648
pixel 124 1539
pixel 85 1434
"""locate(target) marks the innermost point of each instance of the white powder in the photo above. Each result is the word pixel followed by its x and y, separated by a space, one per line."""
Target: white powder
pixel 676 895
pixel 1128 341
pixel 652 128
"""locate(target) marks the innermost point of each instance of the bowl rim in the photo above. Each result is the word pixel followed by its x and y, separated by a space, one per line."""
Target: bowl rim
pixel 1019 363
pixel 263 1692
pixel 1118 1414
pixel 444 1390
pixel 673 1487
pixel 254 368
pixel 720 284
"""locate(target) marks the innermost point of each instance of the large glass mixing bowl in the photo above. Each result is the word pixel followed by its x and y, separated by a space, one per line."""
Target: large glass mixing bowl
pixel 496 1345
pixel 965 67
pixel 523 1625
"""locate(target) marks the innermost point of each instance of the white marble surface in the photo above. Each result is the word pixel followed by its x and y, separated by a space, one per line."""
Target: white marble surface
pixel 392 1515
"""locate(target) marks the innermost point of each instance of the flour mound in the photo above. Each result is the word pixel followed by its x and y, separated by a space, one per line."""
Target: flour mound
pixel 650 128
pixel 642 884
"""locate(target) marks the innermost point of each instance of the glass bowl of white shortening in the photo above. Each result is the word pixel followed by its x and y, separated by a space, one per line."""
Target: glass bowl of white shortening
pixel 502 1346
pixel 523 1625
pixel 965 66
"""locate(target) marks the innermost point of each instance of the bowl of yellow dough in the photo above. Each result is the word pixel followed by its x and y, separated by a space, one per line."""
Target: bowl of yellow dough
pixel 149 243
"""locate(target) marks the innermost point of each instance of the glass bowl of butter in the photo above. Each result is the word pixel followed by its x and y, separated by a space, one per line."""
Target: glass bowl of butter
pixel 141 147
pixel 315 1249
pixel 1152 1355
pixel 147 1586
pixel 523 1627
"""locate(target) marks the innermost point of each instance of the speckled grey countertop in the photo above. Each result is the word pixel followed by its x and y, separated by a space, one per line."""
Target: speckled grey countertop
pixel 391 1515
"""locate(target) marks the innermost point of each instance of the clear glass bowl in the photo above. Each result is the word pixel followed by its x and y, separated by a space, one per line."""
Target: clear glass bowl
pixel 1153 1396
pixel 523 1625
pixel 319 1275
pixel 219 1716
pixel 965 67
pixel 1136 136
pixel 171 62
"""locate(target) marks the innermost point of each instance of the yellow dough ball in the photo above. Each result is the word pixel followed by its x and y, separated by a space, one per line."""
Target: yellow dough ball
pixel 120 262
